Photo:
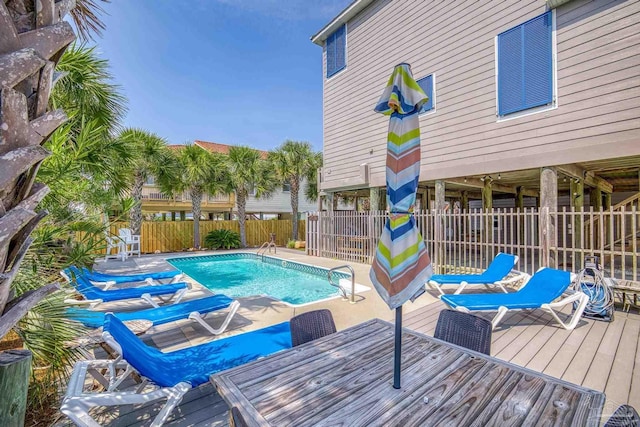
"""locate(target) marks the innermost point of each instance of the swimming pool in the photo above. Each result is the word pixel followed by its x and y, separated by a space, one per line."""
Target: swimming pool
pixel 247 274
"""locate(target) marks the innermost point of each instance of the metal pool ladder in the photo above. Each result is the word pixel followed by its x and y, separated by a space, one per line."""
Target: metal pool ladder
pixel 337 285
pixel 266 246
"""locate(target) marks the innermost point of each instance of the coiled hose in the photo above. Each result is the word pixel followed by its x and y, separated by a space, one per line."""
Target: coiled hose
pixel 591 282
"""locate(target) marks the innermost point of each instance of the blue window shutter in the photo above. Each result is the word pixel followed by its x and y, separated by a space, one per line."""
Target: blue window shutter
pixel 341 44
pixel 336 51
pixel 525 66
pixel 331 55
pixel 538 62
pixel 426 84
pixel 510 73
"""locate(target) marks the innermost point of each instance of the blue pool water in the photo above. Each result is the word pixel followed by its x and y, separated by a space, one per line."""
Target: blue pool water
pixel 245 274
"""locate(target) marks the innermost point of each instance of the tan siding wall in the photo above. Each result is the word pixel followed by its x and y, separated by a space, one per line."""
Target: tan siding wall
pixel 598 114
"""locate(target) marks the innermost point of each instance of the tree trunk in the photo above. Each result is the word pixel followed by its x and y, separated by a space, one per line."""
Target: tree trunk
pixel 33 37
pixel 295 188
pixel 241 203
pixel 14 382
pixel 196 207
pixel 135 215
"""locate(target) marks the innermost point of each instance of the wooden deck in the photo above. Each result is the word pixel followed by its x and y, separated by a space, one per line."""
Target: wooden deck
pixel 599 355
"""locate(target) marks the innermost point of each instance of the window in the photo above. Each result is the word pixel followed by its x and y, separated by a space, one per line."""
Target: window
pixel 427 85
pixel 150 180
pixel 337 51
pixel 525 64
pixel 286 187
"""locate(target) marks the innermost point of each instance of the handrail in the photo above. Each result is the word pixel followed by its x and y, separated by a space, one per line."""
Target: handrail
pixel 353 282
pixel 267 246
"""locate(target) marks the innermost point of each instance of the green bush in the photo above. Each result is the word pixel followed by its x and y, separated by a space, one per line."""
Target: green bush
pixel 291 244
pixel 227 239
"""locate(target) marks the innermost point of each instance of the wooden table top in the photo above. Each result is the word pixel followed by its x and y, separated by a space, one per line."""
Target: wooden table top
pixel 346 379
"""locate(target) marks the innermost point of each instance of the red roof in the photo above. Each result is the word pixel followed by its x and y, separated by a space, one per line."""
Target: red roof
pixel 214 147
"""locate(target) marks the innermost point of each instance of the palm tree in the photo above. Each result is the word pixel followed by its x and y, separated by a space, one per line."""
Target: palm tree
pixel 247 171
pixel 152 158
pixel 293 161
pixel 198 172
pixel 28 74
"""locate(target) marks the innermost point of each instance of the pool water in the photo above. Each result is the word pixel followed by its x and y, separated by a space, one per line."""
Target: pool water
pixel 243 275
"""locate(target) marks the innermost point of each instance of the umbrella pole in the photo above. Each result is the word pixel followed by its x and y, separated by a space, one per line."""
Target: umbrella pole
pixel 397 349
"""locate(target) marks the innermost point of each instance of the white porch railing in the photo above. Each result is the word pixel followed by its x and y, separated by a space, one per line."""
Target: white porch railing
pixel 469 240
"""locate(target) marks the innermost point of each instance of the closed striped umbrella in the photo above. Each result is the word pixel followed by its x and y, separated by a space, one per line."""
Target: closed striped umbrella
pixel 401 266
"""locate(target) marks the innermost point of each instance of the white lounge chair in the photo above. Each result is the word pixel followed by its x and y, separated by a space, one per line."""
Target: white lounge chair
pixel 173 373
pixel 544 287
pixel 494 275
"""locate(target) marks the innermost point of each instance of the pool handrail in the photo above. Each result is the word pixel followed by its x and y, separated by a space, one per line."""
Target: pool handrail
pixel 267 246
pixel 353 281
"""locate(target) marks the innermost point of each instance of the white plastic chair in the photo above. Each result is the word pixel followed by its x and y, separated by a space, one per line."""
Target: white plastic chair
pixel 114 243
pixel 131 242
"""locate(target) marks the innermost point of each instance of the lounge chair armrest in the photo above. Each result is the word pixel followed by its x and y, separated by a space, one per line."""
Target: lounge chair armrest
pixel 105 285
pixel 568 297
pixel 92 302
pixel 524 277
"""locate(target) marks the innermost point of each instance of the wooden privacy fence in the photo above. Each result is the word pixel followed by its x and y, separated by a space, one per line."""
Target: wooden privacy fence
pixel 467 241
pixel 173 236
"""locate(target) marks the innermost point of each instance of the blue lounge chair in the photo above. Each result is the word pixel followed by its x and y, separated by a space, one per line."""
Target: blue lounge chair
pixel 95 276
pixel 540 291
pixel 495 274
pixel 193 310
pixel 95 295
pixel 174 373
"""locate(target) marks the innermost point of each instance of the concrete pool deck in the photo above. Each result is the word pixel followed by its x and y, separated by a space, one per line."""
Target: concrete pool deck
pixel 257 311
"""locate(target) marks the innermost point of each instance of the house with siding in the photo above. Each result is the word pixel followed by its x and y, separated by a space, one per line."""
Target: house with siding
pixel 222 205
pixel 531 103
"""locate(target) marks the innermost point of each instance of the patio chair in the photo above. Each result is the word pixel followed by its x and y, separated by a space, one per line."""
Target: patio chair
pixel 624 416
pixel 114 243
pixel 173 374
pixel 236 419
pixel 542 289
pixel 310 326
pixel 113 279
pixel 465 330
pixel 94 295
pixel 131 241
pixel 494 275
pixel 194 310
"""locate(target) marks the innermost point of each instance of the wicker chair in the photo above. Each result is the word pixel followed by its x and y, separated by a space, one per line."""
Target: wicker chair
pixel 309 326
pixel 236 419
pixel 625 416
pixel 465 330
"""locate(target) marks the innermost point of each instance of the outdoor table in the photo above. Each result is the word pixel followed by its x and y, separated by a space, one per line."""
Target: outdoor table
pixel 346 379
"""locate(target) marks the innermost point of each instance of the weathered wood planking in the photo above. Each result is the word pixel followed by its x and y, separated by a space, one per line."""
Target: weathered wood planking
pixel 345 379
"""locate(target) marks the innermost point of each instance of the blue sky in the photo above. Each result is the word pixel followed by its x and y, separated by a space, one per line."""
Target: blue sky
pixel 228 71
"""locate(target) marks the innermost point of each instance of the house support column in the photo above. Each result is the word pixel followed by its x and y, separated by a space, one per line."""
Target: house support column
pixel 548 209
pixel 173 216
pixel 577 202
pixel 183 216
pixel 595 198
pixel 330 197
pixel 377 199
pixel 464 201
pixel 440 200
pixel 520 198
pixel 164 216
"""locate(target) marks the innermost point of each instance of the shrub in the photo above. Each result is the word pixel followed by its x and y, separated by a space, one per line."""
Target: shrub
pixel 227 239
pixel 291 244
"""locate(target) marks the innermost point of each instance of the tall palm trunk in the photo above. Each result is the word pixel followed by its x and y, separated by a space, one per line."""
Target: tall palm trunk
pixel 295 189
pixel 196 208
pixel 33 37
pixel 241 203
pixel 135 215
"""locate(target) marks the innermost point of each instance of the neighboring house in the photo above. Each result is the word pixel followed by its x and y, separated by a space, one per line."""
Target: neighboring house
pixel 279 205
pixel 520 93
